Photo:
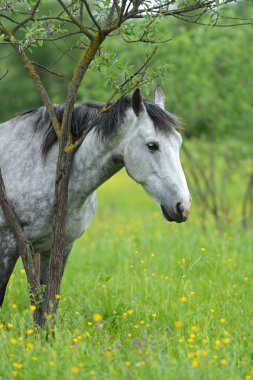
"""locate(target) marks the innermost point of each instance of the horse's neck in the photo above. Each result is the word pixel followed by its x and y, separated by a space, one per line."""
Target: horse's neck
pixel 95 162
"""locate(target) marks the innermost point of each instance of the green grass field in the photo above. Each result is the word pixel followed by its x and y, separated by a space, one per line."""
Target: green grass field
pixel 141 299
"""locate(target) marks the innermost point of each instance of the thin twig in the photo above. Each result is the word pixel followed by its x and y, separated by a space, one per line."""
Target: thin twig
pixel 64 35
pixel 137 72
pixel 31 17
pixel 34 76
pixel 46 69
pixel 76 22
pixel 3 76
pixel 91 16
pixel 9 18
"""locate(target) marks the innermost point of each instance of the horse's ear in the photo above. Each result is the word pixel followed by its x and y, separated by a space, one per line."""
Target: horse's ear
pixel 159 97
pixel 137 103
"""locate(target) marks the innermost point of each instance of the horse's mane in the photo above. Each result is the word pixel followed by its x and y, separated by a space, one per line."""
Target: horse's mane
pixel 90 115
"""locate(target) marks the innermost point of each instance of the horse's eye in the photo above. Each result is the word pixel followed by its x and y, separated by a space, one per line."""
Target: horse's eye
pixel 153 146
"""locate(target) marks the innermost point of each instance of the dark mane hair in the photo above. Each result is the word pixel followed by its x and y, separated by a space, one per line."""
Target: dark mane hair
pixel 90 115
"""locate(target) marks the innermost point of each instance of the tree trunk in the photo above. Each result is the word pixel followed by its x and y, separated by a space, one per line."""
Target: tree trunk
pixel 24 245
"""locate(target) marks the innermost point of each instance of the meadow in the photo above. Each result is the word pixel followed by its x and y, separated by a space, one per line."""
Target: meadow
pixel 141 299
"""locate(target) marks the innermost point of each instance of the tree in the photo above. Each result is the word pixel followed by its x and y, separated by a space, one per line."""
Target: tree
pixel 26 25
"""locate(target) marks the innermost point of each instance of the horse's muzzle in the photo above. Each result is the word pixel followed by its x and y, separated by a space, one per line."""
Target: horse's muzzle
pixel 179 217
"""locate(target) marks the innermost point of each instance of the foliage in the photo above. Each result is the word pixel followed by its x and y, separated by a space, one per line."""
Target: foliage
pixel 206 78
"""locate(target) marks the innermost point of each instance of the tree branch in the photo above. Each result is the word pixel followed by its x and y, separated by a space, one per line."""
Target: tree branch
pixel 4 75
pixel 65 157
pixel 9 18
pixel 91 16
pixel 141 70
pixel 31 17
pixel 46 69
pixel 76 22
pixel 29 67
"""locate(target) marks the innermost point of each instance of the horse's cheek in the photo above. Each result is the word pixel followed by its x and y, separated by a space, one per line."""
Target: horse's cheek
pixel 136 166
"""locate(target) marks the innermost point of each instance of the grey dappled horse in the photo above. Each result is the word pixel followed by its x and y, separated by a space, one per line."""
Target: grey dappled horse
pixel 133 133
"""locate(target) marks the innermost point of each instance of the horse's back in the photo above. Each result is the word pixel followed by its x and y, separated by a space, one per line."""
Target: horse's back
pixel 29 182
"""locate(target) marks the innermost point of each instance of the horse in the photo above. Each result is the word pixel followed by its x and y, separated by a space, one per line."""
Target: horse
pixel 133 133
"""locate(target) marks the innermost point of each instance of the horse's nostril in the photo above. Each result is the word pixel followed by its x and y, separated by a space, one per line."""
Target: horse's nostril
pixel 180 208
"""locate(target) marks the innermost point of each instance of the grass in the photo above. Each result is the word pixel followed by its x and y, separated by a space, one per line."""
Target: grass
pixel 141 299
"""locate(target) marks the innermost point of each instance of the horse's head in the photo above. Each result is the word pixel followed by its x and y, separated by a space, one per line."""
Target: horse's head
pixel 151 156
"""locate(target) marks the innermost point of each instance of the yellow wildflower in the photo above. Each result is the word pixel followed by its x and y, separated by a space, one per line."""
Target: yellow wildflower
pixel 32 308
pixel 183 299
pixel 14 306
pixel 195 363
pixel 223 362
pixel 17 365
pixel 222 321
pixel 226 340
pixel 1 326
pixel 29 331
pixel 127 363
pixel 13 341
pixel 57 296
pixel 194 328
pixel 178 324
pixel 10 325
pixel 75 370
pixel 217 343
pixel 130 312
pixel 97 317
